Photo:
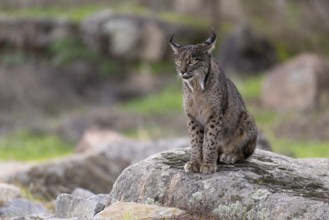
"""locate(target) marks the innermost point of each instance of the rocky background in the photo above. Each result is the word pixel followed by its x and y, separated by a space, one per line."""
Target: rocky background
pixel 91 120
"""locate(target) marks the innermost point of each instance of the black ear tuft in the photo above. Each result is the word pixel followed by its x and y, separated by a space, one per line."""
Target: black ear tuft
pixel 172 37
pixel 173 45
pixel 209 44
pixel 212 39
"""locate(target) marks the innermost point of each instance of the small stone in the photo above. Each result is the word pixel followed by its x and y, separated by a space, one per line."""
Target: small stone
pixel 99 207
pixel 68 206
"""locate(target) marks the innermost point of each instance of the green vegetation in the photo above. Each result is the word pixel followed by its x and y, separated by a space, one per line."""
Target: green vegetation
pixel 156 68
pixel 288 38
pixel 282 51
pixel 165 102
pixel 67 50
pixel 249 87
pixel 75 14
pixel 163 67
pixel 79 13
pixel 300 148
pixel 12 58
pixel 27 146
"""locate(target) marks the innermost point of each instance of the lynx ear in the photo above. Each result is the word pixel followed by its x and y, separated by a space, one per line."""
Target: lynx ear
pixel 209 44
pixel 173 45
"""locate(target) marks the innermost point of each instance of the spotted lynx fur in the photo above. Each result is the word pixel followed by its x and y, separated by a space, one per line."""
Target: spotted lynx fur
pixel 219 125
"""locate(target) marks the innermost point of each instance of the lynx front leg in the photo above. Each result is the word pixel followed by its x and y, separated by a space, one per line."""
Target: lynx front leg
pixel 210 148
pixel 196 134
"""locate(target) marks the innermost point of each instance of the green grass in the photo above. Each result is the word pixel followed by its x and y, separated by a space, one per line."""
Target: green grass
pixel 26 146
pixel 15 58
pixel 81 12
pixel 249 87
pixel 75 14
pixel 167 101
pixel 67 50
pixel 300 148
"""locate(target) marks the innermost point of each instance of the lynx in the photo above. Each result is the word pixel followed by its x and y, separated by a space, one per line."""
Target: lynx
pixel 218 123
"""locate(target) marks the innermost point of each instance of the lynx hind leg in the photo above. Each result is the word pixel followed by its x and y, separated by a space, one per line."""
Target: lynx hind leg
pixel 249 148
pixel 249 145
pixel 230 158
pixel 243 143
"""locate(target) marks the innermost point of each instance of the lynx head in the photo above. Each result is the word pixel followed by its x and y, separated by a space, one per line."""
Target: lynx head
pixel 194 61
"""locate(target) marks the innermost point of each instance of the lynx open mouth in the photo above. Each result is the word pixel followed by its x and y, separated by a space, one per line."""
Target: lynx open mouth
pixel 186 77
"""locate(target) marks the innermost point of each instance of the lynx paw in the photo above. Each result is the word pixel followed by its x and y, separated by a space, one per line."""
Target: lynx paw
pixel 228 158
pixel 192 167
pixel 207 168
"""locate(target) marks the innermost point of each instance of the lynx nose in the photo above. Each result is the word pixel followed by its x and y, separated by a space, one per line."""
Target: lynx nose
pixel 183 73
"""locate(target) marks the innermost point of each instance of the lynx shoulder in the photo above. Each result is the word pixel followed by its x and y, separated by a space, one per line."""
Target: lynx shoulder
pixel 218 123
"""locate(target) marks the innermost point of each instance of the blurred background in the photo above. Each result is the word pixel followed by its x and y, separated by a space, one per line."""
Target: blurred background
pixel 68 66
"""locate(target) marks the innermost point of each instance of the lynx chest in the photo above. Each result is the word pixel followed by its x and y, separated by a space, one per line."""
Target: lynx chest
pixel 198 106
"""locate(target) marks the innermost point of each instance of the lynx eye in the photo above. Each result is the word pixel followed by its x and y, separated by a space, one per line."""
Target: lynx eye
pixel 192 62
pixel 178 62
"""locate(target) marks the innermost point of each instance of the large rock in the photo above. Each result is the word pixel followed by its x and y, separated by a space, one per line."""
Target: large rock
pixel 71 207
pixel 95 138
pixel 9 167
pixel 244 51
pixel 300 84
pixel 19 208
pixel 127 210
pixel 34 33
pixel 8 193
pixel 121 146
pixel 103 156
pixel 132 37
pixel 82 193
pixel 37 86
pixel 322 163
pixel 95 171
pixel 122 36
pixel 37 216
pixel 68 206
pixel 267 186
